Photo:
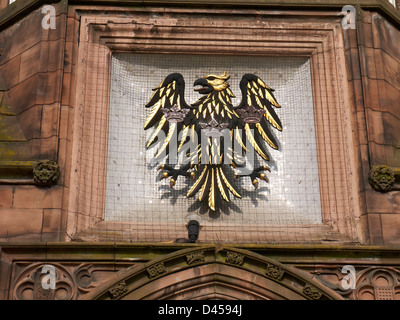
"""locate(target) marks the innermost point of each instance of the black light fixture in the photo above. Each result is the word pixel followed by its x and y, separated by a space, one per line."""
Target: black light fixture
pixel 193 228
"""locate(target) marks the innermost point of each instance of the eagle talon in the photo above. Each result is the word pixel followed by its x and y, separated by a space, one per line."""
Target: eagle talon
pixel 255 183
pixel 165 175
pixel 262 168
pixel 175 173
pixel 256 173
pixel 263 176
pixel 165 167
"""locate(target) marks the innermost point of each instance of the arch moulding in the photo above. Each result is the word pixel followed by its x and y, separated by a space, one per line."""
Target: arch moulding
pixel 212 272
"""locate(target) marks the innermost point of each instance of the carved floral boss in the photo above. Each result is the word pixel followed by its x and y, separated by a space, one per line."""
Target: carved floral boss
pixel 206 162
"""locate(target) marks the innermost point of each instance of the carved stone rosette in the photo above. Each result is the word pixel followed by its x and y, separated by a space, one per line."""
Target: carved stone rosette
pixel 156 270
pixel 196 257
pixel 274 272
pixel 312 292
pixel 118 290
pixel 234 258
pixel 381 178
pixel 46 173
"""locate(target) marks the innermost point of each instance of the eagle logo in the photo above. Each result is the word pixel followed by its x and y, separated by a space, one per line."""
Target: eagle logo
pixel 215 137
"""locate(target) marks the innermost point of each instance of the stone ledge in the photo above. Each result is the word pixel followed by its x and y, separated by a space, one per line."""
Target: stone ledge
pixel 16 172
pixel 43 173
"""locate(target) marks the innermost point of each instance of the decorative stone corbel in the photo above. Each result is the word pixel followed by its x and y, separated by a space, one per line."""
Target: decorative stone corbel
pixel 383 178
pixel 46 173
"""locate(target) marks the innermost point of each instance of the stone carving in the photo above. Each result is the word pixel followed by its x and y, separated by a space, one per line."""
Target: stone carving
pixel 46 173
pixel 312 292
pixel 274 272
pixel 29 285
pixel 71 280
pixel 83 278
pixel 378 284
pixel 196 257
pixel 118 290
pixel 369 284
pixel 234 258
pixel 156 270
pixel 381 178
pixel 333 278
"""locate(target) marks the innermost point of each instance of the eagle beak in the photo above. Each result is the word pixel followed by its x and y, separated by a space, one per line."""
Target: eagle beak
pixel 202 86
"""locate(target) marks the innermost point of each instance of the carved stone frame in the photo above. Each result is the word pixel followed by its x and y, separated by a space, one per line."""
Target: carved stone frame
pixel 317 35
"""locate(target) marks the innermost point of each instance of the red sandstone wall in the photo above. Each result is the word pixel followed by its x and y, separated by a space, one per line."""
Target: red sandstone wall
pixel 373 58
pixel 39 75
pixel 32 68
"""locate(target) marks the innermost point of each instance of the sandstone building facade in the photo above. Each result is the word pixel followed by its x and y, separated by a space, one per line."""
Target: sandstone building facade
pixel 77 194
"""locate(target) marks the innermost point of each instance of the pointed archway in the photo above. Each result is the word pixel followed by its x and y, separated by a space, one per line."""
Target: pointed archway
pixel 213 272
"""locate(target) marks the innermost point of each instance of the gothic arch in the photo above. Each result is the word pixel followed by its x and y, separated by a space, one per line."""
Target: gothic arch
pixel 212 272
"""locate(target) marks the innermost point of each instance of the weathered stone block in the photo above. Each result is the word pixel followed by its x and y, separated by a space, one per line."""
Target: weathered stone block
pixel 35 197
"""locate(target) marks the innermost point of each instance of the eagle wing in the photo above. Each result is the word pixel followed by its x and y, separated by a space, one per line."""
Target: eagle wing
pixel 256 114
pixel 168 112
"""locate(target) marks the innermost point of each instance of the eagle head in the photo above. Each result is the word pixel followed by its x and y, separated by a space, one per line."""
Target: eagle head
pixel 212 83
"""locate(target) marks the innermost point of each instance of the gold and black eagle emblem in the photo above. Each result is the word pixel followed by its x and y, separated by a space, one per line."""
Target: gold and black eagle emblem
pixel 207 131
